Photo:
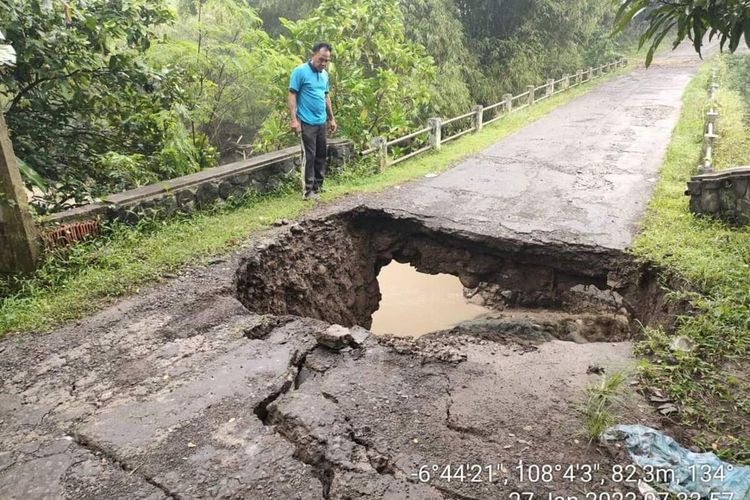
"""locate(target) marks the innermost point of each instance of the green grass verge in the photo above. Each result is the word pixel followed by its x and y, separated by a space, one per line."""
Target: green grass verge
pixel 733 147
pixel 710 383
pixel 93 273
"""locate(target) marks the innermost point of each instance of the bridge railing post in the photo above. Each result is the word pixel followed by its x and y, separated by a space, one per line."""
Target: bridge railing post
pixel 436 132
pixel 381 146
pixel 478 117
pixel 508 102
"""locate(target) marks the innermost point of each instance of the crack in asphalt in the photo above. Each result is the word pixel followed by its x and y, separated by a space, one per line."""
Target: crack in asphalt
pixel 382 463
pixel 309 449
pixel 95 448
pixel 47 414
pixel 303 452
pixel 291 381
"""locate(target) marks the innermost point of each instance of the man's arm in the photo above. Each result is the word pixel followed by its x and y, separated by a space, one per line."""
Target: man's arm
pixel 292 104
pixel 332 126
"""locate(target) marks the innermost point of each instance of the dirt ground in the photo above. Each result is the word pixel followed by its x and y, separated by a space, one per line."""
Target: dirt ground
pixel 182 392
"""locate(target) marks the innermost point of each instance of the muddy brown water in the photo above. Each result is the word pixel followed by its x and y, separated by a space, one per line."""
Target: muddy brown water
pixel 415 303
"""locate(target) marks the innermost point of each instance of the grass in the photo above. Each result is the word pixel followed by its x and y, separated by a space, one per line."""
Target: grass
pixel 94 273
pixel 711 382
pixel 600 398
pixel 733 148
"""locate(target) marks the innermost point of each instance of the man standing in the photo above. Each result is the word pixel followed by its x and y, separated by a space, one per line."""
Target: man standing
pixel 310 107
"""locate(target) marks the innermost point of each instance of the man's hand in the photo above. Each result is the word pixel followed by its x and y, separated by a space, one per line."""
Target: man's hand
pixel 332 126
pixel 296 127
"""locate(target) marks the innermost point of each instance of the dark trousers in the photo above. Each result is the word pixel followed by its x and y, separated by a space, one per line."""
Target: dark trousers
pixel 315 150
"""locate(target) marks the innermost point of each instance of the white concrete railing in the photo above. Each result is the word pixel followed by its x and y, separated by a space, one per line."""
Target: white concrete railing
pixel 710 134
pixel 509 104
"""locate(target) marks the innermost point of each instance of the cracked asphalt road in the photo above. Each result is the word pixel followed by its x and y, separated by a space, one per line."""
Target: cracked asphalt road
pixel 582 174
pixel 163 395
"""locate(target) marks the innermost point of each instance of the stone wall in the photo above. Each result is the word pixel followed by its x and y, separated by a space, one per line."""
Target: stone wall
pixel 184 194
pixel 722 194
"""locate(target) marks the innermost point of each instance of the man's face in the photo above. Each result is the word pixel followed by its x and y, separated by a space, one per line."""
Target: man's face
pixel 321 59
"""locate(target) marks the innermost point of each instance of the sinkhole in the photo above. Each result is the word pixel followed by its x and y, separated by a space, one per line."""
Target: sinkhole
pixel 398 275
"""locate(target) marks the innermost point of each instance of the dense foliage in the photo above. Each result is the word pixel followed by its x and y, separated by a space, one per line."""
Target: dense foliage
pixel 222 45
pixel 112 94
pixel 84 110
pixel 697 20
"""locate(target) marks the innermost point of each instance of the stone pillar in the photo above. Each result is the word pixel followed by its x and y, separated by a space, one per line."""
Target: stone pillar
pixel 478 117
pixel 705 166
pixel 530 89
pixel 340 152
pixel 710 197
pixel 436 133
pixel 381 146
pixel 19 240
pixel 550 87
pixel 579 77
pixel 566 82
pixel 591 74
pixel 508 102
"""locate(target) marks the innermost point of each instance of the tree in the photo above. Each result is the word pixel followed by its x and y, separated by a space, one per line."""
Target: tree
pixel 518 42
pixel 379 80
pixel 271 11
pixel 728 20
pixel 221 43
pixel 435 25
pixel 84 109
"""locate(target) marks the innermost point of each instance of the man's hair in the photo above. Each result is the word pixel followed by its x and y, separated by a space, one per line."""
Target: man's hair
pixel 321 45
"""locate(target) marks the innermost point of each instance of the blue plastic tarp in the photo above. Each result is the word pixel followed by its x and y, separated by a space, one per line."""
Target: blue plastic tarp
pixel 702 473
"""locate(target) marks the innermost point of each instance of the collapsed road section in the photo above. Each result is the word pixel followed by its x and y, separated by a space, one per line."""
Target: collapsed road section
pixel 328 270
pixel 386 416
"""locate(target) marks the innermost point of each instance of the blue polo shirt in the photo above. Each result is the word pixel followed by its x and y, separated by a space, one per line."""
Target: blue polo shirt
pixel 311 87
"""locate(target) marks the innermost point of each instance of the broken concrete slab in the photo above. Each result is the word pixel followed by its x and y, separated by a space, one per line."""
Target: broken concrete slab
pixel 225 451
pixel 202 436
pixel 484 411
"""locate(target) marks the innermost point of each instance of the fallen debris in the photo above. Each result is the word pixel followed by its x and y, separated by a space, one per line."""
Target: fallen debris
pixel 335 337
